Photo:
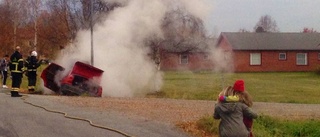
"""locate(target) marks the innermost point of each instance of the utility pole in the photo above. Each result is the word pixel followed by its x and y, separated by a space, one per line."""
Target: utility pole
pixel 35 9
pixel 35 35
pixel 14 33
pixel 91 28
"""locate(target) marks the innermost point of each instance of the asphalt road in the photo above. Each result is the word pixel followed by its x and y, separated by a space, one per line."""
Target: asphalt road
pixel 19 119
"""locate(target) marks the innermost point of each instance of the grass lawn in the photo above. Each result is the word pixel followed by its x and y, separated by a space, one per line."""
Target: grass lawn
pixel 266 126
pixel 283 87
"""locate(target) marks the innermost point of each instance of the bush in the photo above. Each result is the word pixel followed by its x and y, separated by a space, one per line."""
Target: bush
pixel 266 126
pixel 209 125
pixel 308 128
pixel 317 70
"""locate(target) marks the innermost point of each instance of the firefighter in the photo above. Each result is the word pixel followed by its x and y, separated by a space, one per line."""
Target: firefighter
pixel 32 64
pixel 16 65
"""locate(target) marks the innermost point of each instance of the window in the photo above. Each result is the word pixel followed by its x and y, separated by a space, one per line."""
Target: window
pixel 318 56
pixel 206 57
pixel 302 59
pixel 255 58
pixel 184 59
pixel 282 56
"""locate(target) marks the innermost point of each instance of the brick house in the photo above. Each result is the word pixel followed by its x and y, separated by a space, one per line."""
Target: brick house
pixel 271 52
pixel 193 58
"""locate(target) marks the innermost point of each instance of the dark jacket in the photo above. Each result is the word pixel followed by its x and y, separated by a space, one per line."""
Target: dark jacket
pixel 3 65
pixel 32 64
pixel 16 62
pixel 231 115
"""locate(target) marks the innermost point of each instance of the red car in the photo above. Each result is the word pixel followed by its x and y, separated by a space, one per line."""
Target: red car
pixel 83 79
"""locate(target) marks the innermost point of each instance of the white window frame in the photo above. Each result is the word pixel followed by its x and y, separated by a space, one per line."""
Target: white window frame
pixel 302 59
pixel 283 54
pixel 255 59
pixel 182 60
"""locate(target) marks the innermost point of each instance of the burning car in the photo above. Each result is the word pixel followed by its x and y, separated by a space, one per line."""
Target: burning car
pixel 83 79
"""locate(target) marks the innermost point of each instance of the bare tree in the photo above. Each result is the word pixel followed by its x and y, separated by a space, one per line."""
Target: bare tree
pixel 64 18
pixel 48 24
pixel 100 9
pixel 18 15
pixel 77 13
pixel 183 33
pixel 34 11
pixel 6 28
pixel 267 23
pixel 58 23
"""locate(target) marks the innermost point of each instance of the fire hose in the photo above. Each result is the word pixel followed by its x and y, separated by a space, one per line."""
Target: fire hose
pixel 24 98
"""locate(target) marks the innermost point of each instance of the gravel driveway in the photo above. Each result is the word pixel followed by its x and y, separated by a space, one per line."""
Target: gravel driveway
pixel 133 125
pixel 176 111
pixel 171 112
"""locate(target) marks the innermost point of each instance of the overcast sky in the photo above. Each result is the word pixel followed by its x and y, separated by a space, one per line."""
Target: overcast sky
pixel 290 15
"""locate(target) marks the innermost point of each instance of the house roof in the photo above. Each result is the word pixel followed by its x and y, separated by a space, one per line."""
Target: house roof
pixel 200 46
pixel 272 41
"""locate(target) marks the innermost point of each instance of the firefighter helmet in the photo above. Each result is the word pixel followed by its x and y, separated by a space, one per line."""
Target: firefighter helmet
pixel 34 53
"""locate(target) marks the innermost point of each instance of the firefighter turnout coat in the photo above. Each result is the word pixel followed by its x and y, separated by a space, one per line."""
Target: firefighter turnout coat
pixel 16 66
pixel 31 64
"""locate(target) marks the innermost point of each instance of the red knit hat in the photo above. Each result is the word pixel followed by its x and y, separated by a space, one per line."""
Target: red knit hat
pixel 239 85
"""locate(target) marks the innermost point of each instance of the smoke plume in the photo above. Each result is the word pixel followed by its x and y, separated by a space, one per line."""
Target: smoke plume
pixel 119 47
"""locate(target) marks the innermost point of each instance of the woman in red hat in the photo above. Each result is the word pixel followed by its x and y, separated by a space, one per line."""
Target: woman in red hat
pixel 238 94
pixel 246 99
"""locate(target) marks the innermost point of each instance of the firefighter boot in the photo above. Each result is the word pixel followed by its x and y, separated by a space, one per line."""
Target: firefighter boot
pixel 30 91
pixel 15 94
pixel 18 95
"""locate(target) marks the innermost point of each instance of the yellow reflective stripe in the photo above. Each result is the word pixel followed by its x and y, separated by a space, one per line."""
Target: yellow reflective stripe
pixel 16 71
pixel 16 65
pixel 31 87
pixel 15 89
pixel 32 69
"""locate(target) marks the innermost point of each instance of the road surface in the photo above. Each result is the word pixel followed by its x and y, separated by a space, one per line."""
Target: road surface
pixel 19 119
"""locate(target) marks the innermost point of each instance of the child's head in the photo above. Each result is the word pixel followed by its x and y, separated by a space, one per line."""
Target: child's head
pixel 229 91
pixel 238 86
pixel 239 90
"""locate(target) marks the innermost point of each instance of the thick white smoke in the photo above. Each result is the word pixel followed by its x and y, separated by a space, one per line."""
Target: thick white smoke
pixel 119 49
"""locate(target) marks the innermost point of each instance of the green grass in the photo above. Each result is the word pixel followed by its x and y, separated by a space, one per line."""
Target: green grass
pixel 266 126
pixel 283 87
